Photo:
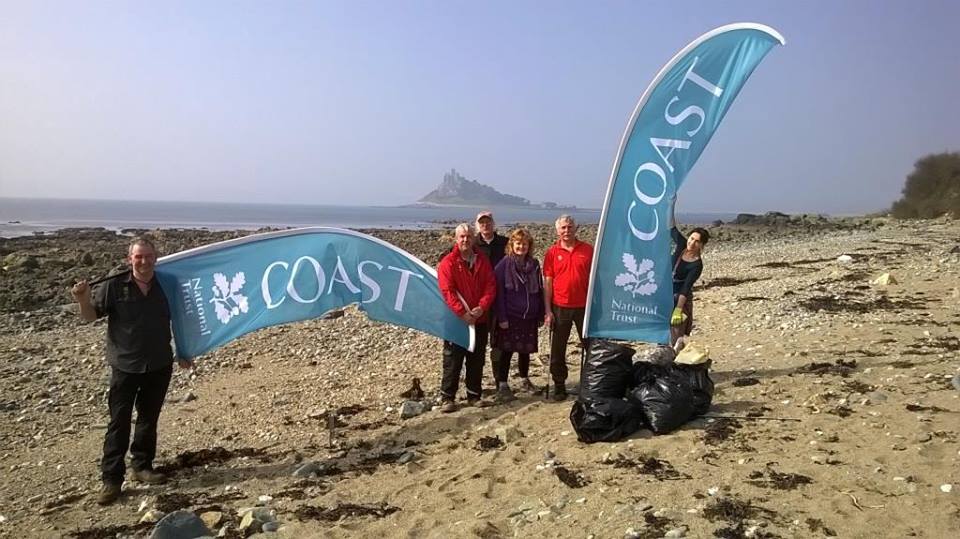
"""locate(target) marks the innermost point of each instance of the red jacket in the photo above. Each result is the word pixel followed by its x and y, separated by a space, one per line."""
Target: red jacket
pixel 476 286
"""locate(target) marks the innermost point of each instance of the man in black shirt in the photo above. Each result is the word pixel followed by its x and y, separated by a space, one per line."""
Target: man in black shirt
pixel 488 241
pixel 141 363
pixel 494 246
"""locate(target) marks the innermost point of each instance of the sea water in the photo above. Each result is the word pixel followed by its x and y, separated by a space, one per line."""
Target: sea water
pixel 24 216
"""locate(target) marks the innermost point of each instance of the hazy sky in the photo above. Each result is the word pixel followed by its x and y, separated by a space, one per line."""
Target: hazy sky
pixel 367 103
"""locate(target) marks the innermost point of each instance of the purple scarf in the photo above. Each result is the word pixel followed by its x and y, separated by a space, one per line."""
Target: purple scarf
pixel 519 274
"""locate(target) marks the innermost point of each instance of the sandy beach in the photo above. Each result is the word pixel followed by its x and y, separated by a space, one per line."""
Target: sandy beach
pixel 842 397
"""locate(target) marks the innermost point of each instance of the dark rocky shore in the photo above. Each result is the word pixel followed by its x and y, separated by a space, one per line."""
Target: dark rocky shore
pixel 838 390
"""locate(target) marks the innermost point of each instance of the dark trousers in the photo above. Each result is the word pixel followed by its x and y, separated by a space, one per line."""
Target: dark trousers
pixel 146 392
pixel 454 357
pixel 683 329
pixel 503 367
pixel 563 319
pixel 496 356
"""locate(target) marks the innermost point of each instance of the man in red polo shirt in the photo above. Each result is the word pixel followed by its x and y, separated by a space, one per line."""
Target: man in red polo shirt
pixel 566 273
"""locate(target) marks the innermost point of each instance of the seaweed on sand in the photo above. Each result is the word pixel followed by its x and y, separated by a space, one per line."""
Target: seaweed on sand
pixel 344 510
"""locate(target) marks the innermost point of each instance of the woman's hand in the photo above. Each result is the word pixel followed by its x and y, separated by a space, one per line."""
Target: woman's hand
pixel 678 317
pixel 504 324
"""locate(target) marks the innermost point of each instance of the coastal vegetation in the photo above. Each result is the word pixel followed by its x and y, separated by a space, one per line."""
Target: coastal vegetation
pixel 932 189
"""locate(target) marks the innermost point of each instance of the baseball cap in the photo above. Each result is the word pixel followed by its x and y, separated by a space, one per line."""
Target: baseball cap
pixel 485 213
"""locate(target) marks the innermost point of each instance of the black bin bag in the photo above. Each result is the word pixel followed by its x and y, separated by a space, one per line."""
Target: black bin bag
pixel 671 395
pixel 605 419
pixel 607 370
pixel 702 385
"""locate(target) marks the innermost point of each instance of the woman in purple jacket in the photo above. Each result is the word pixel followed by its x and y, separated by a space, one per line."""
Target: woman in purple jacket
pixel 518 310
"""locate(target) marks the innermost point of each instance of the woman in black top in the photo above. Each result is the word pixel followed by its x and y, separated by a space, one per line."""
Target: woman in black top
pixel 687 267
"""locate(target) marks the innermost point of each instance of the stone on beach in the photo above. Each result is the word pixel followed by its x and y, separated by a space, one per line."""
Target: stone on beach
pixel 179 525
pixel 412 408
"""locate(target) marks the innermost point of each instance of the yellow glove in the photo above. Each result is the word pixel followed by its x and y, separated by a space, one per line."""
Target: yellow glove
pixel 677 317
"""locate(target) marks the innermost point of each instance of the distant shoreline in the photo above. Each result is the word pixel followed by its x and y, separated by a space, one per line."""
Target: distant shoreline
pixel 533 207
pixel 25 217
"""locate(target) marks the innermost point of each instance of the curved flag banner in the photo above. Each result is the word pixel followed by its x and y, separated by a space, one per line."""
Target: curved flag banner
pixel 630 295
pixel 221 291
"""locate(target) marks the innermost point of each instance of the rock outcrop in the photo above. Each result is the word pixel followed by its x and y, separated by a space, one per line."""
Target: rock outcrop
pixel 455 189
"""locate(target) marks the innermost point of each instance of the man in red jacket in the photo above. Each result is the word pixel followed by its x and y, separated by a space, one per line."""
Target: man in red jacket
pixel 469 288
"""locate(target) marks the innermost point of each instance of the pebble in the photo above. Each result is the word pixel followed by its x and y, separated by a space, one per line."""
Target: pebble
pixel 179 525
pixel 676 532
pixel 923 437
pixel 151 516
pixel 251 524
pixel 509 434
pixel 212 519
pixel 270 526
pixel 947 488
pixel 306 470
pixel 412 408
pixel 955 381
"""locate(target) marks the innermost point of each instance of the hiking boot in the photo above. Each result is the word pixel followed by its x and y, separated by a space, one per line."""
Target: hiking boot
pixel 478 402
pixel 448 407
pixel 109 493
pixel 527 385
pixel 560 393
pixel 505 394
pixel 149 476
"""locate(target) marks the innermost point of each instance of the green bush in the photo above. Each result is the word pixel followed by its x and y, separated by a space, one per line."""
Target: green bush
pixel 932 189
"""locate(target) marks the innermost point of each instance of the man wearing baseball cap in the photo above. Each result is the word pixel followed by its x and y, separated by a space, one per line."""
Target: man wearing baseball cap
pixel 494 246
pixel 488 241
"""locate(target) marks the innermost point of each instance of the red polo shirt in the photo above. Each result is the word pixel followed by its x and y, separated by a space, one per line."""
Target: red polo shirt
pixel 570 271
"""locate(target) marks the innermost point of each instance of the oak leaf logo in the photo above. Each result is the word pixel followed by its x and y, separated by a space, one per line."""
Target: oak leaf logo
pixel 639 278
pixel 227 299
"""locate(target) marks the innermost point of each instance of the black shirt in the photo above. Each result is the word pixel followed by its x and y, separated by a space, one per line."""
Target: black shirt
pixel 138 326
pixel 684 273
pixel 495 250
